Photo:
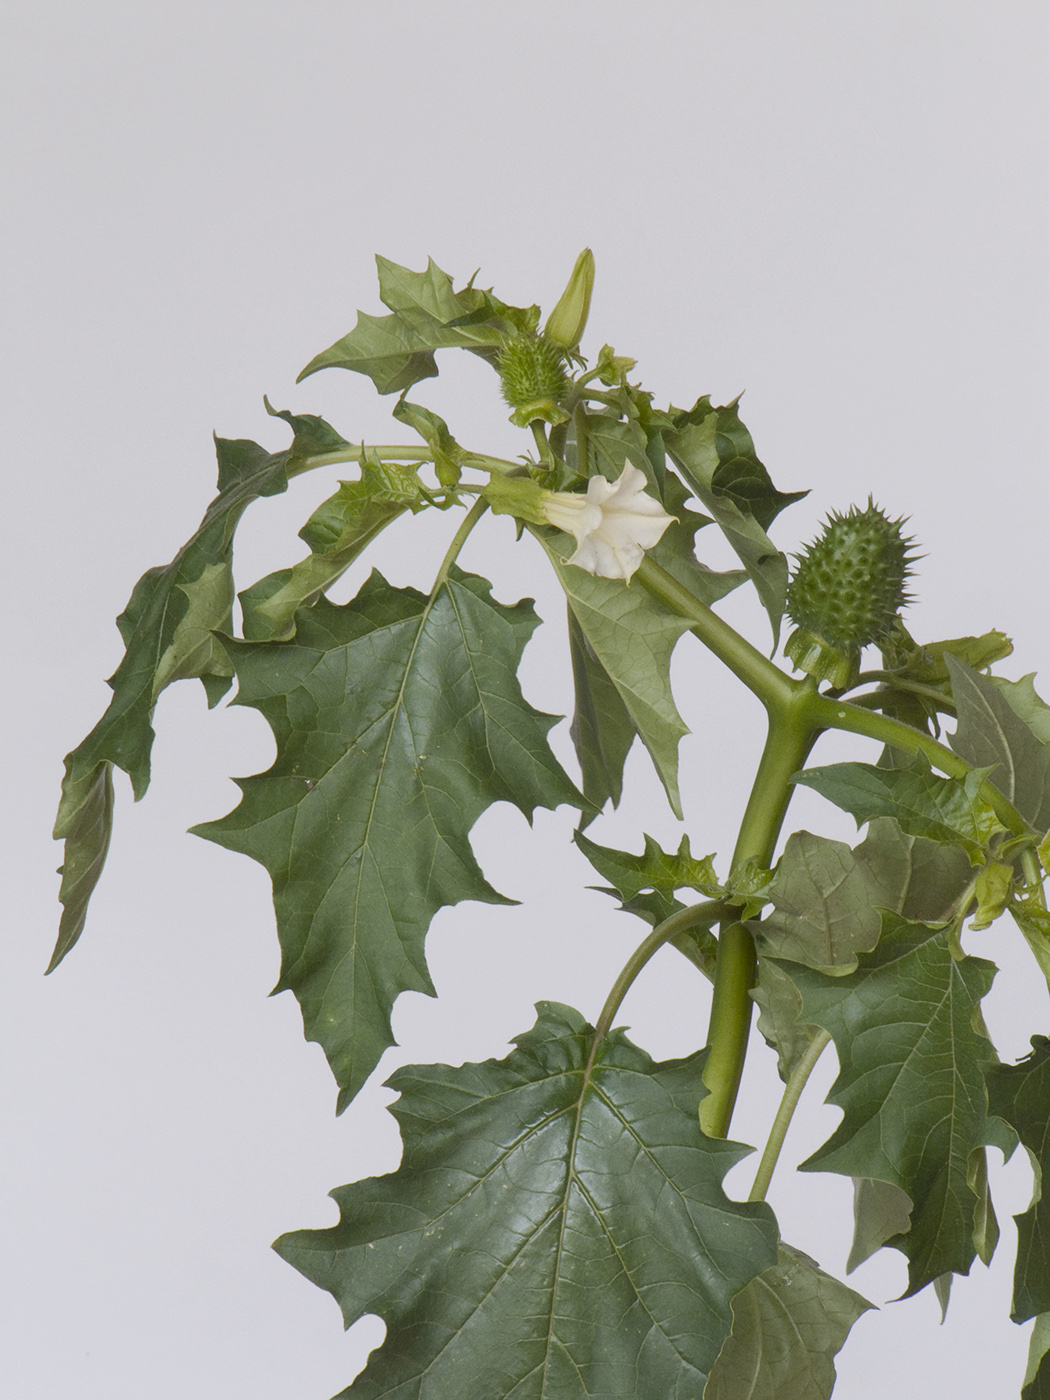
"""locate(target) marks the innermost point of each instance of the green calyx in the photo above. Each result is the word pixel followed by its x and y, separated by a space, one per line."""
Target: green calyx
pixel 533 377
pixel 846 592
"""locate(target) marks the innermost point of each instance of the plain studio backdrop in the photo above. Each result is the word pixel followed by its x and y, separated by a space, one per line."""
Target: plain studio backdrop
pixel 839 208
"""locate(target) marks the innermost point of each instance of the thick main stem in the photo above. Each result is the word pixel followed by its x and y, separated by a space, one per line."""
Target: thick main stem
pixel 791 736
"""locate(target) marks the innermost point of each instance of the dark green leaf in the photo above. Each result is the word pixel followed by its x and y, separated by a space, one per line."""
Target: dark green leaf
pixel 448 454
pixel 789 1323
pixel 1026 704
pixel 398 721
pixel 602 730
pixel 627 635
pixel 826 901
pixel 990 735
pixel 1037 1373
pixel 880 1211
pixel 313 435
pixel 86 829
pixel 780 1005
pixel 1020 1095
pixel 826 897
pixel 397 351
pixel 715 455
pixel 654 869
pixel 925 804
pixel 631 637
pixel 914 1055
pixel 557 1229
pixel 645 884
pixel 167 629
pixel 337 532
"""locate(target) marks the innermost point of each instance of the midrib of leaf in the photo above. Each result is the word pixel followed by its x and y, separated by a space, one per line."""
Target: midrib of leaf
pixel 571 1179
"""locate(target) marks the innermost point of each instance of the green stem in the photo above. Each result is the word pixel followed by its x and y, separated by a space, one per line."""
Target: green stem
pixel 758 673
pixel 790 737
pixel 704 914
pixel 792 1091
pixel 386 452
pixel 874 699
pixel 459 539
pixel 539 433
pixel 827 713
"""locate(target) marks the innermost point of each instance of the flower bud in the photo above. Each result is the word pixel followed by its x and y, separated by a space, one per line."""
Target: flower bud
pixel 846 592
pixel 565 325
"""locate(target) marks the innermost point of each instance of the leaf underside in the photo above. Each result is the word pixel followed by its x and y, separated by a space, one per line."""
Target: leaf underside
pixel 557 1229
pixel 398 721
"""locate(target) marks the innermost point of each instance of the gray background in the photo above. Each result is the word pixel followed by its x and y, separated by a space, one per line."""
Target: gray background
pixel 841 208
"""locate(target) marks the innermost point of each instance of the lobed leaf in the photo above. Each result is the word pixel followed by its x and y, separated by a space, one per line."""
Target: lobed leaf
pixel 913 1056
pixel 880 1211
pixel 1036 1385
pixel 1020 1095
pixel 602 730
pixel 826 902
pixel 398 721
pixel 167 629
pixel 827 898
pixel 992 736
pixel 623 640
pixel 397 351
pixel 557 1229
pixel 789 1323
pixel 337 532
pixel 716 456
pixel 922 802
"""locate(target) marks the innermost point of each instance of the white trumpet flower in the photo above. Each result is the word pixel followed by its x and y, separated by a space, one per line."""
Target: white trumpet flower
pixel 613 524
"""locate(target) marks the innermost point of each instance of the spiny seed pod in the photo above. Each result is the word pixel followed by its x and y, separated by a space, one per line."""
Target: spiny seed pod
pixel 846 592
pixel 532 372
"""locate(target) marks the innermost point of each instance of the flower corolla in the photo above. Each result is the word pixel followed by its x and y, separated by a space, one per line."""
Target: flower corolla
pixel 613 524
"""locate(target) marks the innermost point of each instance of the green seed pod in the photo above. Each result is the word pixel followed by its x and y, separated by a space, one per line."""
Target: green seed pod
pixel 532 373
pixel 846 592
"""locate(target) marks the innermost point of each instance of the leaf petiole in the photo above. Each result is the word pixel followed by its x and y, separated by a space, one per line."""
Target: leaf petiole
pixel 788 1103
pixel 703 915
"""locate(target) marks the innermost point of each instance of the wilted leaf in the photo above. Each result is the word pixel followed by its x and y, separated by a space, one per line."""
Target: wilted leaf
pixel 557 1229
pixel 789 1323
pixel 398 721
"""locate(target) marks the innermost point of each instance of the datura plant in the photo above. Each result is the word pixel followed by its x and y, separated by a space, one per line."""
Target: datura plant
pixel 559 1227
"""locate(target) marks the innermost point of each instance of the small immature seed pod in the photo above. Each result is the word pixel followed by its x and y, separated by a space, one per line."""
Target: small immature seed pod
pixel 532 371
pixel 846 592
